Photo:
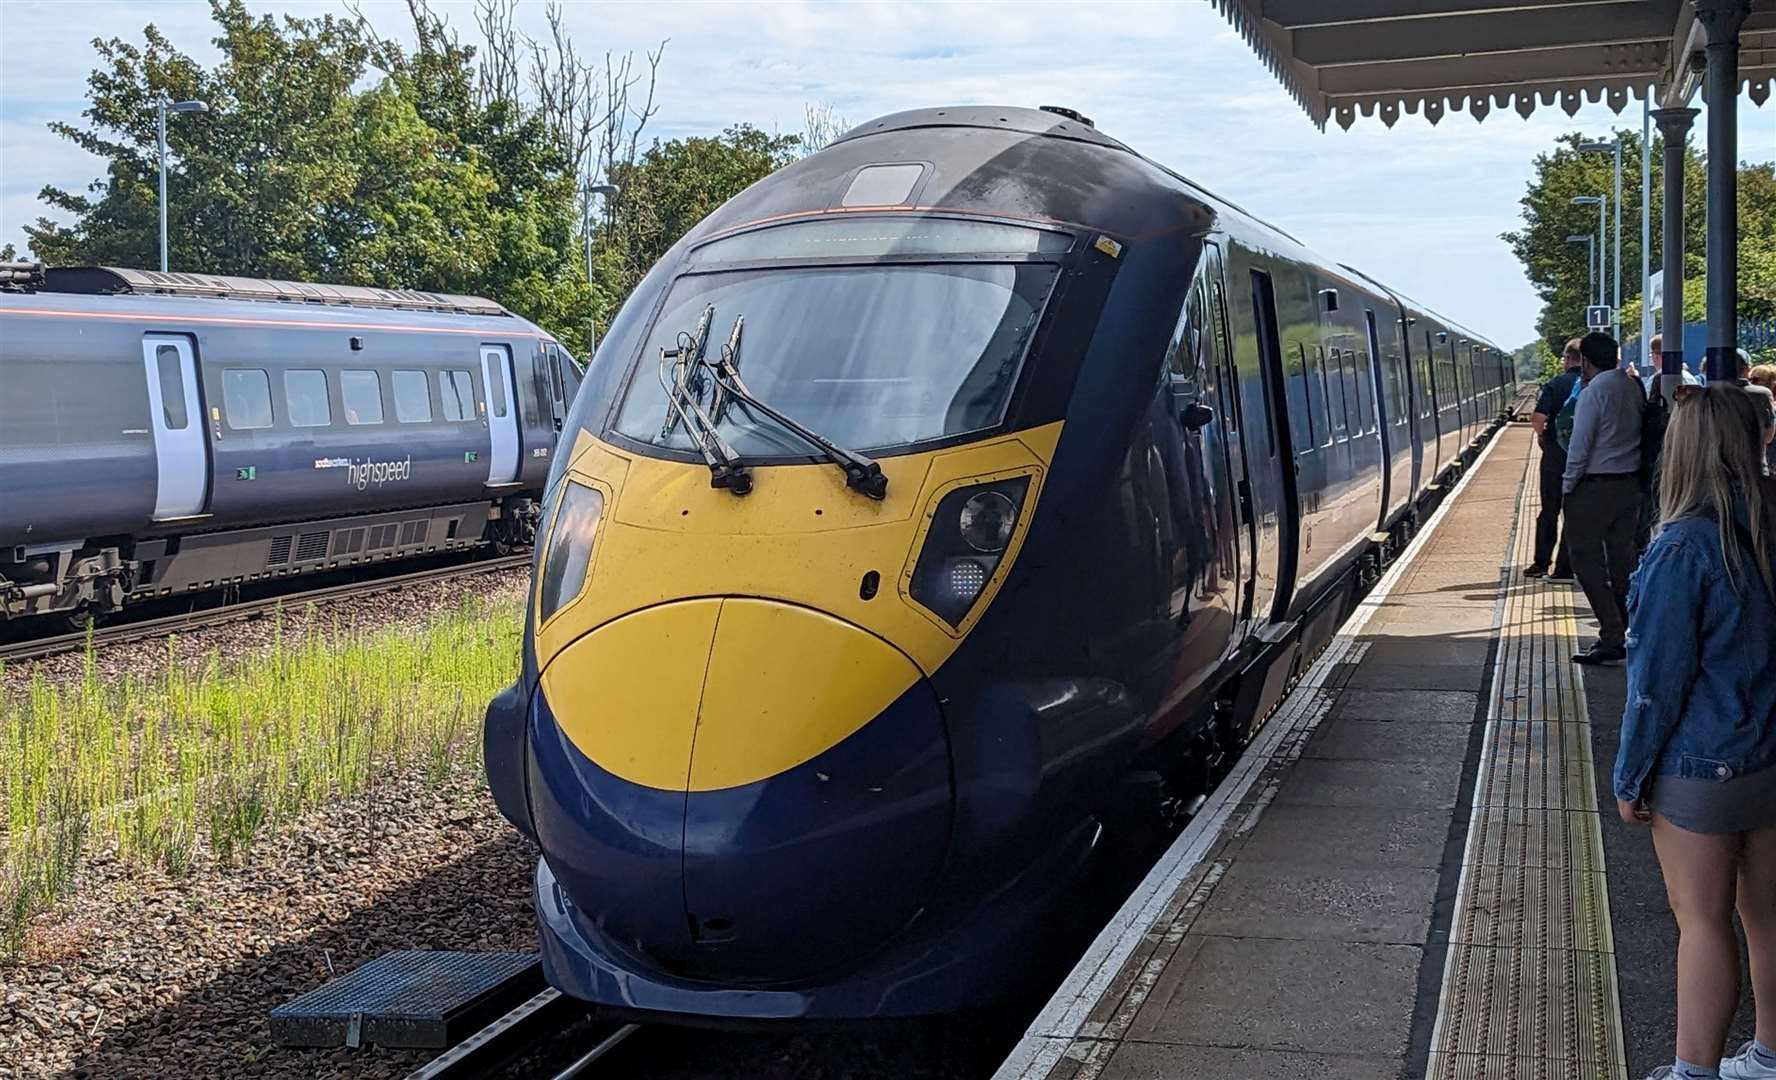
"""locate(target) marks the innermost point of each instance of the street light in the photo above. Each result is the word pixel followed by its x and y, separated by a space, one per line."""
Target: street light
pixel 1602 202
pixel 1616 147
pixel 1590 242
pixel 163 108
pixel 591 322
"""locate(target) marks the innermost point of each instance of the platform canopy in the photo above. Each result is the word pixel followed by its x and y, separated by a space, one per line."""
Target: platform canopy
pixel 1345 58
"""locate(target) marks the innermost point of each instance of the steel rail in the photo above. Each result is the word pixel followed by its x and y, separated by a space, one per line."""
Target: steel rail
pixel 516 1031
pixel 38 648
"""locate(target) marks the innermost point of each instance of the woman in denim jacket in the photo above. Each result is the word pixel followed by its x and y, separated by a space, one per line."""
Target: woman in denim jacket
pixel 1698 751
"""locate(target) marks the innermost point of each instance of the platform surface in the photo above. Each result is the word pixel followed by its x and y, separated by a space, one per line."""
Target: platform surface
pixel 1405 875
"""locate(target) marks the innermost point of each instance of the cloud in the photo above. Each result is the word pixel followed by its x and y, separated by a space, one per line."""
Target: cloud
pixel 1416 205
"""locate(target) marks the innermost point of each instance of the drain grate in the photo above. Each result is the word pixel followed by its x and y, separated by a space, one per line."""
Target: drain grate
pixel 414 997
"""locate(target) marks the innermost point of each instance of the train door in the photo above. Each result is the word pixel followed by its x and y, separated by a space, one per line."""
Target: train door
pixel 1234 439
pixel 175 409
pixel 554 361
pixel 502 414
pixel 1205 570
pixel 1280 509
pixel 1412 398
pixel 1378 381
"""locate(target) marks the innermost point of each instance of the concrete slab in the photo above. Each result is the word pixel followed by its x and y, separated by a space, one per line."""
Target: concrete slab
pixel 1163 1061
pixel 1458 652
pixel 1381 740
pixel 1323 997
pixel 1440 706
pixel 1356 836
pixel 1287 899
pixel 1468 677
pixel 1431 785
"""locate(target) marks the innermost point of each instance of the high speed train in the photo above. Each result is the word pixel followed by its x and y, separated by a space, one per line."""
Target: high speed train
pixel 927 498
pixel 163 434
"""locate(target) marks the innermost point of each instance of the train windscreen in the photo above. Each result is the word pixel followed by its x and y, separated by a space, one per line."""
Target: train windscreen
pixel 873 356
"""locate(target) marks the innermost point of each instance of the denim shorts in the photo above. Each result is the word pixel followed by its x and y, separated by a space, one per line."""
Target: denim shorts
pixel 1742 804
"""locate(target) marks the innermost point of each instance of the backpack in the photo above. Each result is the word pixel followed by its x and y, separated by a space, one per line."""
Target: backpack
pixel 1563 420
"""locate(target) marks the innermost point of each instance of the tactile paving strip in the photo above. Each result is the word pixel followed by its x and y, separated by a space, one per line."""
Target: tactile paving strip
pixel 1529 987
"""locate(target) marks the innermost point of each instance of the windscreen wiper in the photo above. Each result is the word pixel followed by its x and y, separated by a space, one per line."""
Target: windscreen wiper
pixel 861 474
pixel 683 388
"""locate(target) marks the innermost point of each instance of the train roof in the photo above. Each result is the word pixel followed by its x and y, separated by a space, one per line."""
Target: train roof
pixel 209 297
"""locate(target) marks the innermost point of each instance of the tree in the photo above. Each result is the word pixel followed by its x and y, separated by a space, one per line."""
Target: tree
pixel 676 184
pixel 1558 270
pixel 331 154
pixel 1536 362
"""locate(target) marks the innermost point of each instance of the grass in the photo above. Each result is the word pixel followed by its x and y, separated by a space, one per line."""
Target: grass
pixel 216 752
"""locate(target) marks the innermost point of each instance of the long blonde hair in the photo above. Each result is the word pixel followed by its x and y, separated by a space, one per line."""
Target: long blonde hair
pixel 1713 459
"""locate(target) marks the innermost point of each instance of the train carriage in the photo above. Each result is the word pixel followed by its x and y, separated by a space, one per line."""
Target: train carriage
pixel 163 434
pixel 924 500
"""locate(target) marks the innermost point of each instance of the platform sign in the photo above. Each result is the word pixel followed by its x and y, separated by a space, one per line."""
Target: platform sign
pixel 1598 317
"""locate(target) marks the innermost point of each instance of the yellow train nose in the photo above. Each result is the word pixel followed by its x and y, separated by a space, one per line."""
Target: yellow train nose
pixel 713 693
pixel 693 757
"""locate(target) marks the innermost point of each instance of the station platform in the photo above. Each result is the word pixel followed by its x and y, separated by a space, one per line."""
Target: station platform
pixel 1405 875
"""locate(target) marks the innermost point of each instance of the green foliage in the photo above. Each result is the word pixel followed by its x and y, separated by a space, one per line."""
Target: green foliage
pixel 153 767
pixel 331 154
pixel 676 184
pixel 7 252
pixel 1558 268
pixel 1536 362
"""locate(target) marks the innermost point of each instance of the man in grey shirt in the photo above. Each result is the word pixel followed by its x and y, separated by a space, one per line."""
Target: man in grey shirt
pixel 1602 484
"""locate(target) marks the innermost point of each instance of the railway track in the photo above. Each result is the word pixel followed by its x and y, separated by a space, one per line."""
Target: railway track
pixel 38 648
pixel 540 1019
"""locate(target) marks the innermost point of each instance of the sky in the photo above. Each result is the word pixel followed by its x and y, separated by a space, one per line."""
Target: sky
pixel 1417 207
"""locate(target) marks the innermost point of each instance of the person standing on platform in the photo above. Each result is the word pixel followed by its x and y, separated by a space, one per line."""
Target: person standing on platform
pixel 1602 488
pixel 1764 375
pixel 1549 546
pixel 1761 396
pixel 1697 760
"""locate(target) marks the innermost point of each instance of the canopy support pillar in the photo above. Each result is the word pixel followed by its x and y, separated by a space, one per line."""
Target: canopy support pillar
pixel 1674 132
pixel 1721 20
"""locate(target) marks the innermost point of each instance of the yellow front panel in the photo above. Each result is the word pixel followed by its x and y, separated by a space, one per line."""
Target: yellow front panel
pixel 784 684
pixel 801 536
pixel 627 695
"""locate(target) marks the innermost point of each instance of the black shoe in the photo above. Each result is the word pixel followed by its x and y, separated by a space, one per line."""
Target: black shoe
pixel 1598 654
pixel 1561 574
pixel 1535 570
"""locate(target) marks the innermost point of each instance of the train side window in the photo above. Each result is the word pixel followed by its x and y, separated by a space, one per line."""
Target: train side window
pixel 1186 356
pixel 555 383
pixel 458 392
pixel 1365 393
pixel 246 398
pixel 305 395
pixel 496 382
pixel 172 387
pixel 361 391
pixel 1301 398
pixel 1338 387
pixel 413 400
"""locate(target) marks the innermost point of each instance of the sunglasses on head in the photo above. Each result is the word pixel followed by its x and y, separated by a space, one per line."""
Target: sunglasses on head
pixel 1688 392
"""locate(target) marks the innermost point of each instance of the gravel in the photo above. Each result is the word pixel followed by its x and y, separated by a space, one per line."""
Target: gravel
pixel 143 975
pixel 409 605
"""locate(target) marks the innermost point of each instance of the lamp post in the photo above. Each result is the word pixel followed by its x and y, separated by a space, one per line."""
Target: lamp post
pixel 1616 302
pixel 162 108
pixel 591 322
pixel 1602 203
pixel 1590 242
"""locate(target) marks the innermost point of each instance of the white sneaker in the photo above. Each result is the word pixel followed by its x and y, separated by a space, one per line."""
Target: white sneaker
pixel 1745 1066
pixel 1663 1072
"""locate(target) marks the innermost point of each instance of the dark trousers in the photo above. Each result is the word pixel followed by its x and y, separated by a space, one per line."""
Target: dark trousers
pixel 1602 516
pixel 1548 517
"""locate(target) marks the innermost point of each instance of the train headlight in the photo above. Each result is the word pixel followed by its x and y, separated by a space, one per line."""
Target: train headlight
pixel 572 525
pixel 969 533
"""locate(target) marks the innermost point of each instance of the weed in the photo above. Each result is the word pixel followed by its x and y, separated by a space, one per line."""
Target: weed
pixel 209 755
